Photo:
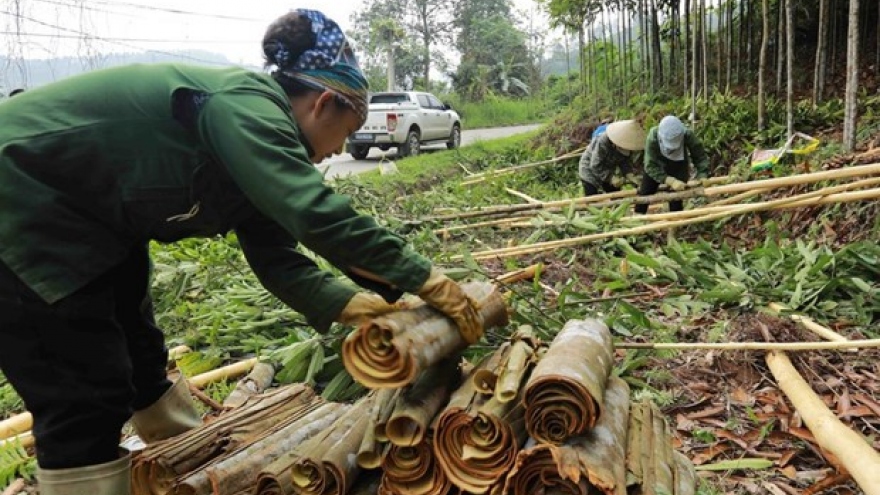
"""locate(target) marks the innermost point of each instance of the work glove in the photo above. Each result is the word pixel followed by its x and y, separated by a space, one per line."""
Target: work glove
pixel 365 306
pixel 616 182
pixel 445 295
pixel 698 181
pixel 675 184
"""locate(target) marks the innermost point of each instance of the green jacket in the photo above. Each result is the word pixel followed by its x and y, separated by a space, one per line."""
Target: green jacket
pixel 104 161
pixel 656 163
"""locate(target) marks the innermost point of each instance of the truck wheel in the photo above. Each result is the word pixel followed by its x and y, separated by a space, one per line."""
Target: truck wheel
pixel 454 138
pixel 412 146
pixel 358 151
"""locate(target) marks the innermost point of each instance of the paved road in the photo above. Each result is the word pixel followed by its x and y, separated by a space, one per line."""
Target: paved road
pixel 344 164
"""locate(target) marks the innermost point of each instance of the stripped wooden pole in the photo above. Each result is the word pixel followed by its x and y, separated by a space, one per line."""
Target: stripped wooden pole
pixel 809 324
pixel 750 346
pixel 851 449
pixel 657 226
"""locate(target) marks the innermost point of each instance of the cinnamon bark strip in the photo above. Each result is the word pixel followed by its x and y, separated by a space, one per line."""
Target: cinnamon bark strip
pixel 583 465
pixel 392 350
pixel 563 396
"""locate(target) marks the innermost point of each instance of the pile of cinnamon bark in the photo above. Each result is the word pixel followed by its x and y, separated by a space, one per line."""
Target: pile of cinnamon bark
pixel 530 417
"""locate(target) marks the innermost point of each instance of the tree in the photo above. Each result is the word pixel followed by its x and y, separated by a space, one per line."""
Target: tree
pixel 821 53
pixel 432 22
pixel 852 78
pixel 572 15
pixel 789 42
pixel 762 65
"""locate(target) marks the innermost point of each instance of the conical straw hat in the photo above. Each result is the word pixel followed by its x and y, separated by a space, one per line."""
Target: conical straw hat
pixel 627 134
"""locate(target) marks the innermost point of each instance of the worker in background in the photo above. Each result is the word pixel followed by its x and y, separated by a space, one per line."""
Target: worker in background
pixel 669 149
pixel 94 167
pixel 610 152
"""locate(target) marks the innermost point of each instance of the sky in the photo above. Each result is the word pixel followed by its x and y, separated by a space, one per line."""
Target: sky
pixel 233 28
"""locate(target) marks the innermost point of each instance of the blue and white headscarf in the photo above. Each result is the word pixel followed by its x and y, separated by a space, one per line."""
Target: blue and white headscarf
pixel 329 65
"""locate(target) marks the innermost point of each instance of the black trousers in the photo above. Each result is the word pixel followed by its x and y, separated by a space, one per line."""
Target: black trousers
pixel 83 364
pixel 590 189
pixel 649 186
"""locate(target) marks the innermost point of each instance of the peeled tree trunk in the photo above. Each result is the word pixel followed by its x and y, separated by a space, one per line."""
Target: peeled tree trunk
pixel 564 395
pixel 476 437
pixel 157 466
pixel 583 465
pixel 392 350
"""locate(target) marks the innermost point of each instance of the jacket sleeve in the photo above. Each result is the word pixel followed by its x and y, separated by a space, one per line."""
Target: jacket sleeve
pixel 257 141
pixel 291 276
pixel 697 154
pixel 653 164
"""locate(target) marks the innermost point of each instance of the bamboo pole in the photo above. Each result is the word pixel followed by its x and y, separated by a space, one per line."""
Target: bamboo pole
pixel 16 425
pixel 836 194
pixel 711 190
pixel 491 174
pixel 751 346
pixel 642 229
pixel 809 324
pixel 594 200
pixel 526 273
pixel 25 439
pixel 850 448
pixel 226 372
pixel 524 196
pixel 832 198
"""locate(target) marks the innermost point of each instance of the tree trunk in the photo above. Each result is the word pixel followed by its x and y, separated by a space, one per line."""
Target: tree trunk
pixel 834 36
pixel 719 46
pixel 821 54
pixel 762 65
pixel 789 42
pixel 729 42
pixel 694 53
pixel 739 41
pixel 852 78
pixel 621 57
pixel 657 51
pixel 780 46
pixel 582 58
pixel 749 16
pixel 390 71
pixel 704 48
pixel 688 56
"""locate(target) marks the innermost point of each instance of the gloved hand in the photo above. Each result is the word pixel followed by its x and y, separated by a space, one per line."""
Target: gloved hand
pixel 633 179
pixel 445 295
pixel 616 181
pixel 364 306
pixel 675 184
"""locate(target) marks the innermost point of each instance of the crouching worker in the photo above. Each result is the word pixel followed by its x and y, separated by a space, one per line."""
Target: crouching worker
pixel 609 153
pixel 668 150
pixel 94 167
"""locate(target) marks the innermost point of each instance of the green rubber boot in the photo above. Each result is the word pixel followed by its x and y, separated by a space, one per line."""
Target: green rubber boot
pixel 173 414
pixel 109 478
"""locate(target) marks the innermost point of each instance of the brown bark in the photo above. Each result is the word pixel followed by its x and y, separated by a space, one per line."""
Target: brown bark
pixel 476 437
pixel 371 450
pixel 582 465
pixel 412 470
pixel 563 396
pixel 653 467
pixel 238 470
pixel 392 350
pixel 417 406
pixel 851 107
pixel 324 464
pixel 254 383
pixel 160 463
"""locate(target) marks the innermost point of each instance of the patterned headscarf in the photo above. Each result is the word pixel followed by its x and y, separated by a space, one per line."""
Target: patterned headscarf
pixel 329 65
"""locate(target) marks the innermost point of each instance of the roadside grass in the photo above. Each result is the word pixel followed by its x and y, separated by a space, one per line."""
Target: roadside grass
pixel 498 111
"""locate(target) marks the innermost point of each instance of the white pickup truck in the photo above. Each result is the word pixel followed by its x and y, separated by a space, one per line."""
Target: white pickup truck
pixel 405 120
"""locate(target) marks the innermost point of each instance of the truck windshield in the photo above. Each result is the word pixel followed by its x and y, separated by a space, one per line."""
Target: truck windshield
pixel 389 98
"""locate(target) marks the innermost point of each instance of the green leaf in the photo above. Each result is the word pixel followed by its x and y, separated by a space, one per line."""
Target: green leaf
pixel 744 463
pixel 861 284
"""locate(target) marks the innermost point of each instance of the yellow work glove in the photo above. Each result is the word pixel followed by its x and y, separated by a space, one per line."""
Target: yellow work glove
pixel 445 295
pixel 633 179
pixel 364 306
pixel 675 184
pixel 616 181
